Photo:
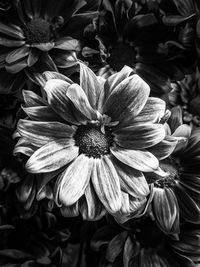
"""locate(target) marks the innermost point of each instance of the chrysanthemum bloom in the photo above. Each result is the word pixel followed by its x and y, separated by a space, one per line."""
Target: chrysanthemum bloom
pixel 96 135
pixel 40 37
pixel 142 244
pixel 138 40
pixel 176 197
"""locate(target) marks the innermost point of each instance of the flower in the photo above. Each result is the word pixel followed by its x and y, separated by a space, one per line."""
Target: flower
pixel 139 39
pixel 141 243
pixel 185 94
pixel 40 38
pixel 176 195
pixel 94 136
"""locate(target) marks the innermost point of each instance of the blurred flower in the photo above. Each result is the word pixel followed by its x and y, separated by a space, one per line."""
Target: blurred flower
pixel 39 38
pixel 34 242
pixel 186 94
pixel 142 244
pixel 140 40
pixel 176 196
pixel 95 137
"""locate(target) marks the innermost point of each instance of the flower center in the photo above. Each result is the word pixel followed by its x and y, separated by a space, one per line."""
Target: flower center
pixel 121 54
pixel 38 31
pixel 92 141
pixel 171 166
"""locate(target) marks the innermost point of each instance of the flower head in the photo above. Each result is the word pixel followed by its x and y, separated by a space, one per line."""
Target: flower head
pixel 139 39
pixel 95 136
pixel 41 37
pixel 141 243
pixel 175 195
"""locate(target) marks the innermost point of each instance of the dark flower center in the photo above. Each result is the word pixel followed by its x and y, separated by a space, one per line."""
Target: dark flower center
pixel 121 54
pixel 92 141
pixel 170 166
pixel 38 31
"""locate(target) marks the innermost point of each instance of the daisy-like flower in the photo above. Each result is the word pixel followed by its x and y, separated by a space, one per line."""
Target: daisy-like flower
pixel 176 196
pixel 95 135
pixel 138 40
pixel 40 38
pixel 141 243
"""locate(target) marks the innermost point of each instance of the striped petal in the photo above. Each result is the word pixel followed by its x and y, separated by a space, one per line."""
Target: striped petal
pixel 68 43
pixel 72 183
pixel 132 181
pixel 12 31
pixel 56 93
pixel 166 210
pixel 139 136
pixel 52 156
pixel 78 97
pixel 39 133
pixel 31 99
pixel 111 83
pixel 17 54
pixel 91 209
pixel 106 184
pixel 41 113
pixel 49 75
pixel 140 160
pixel 128 98
pixel 152 112
pixel 91 85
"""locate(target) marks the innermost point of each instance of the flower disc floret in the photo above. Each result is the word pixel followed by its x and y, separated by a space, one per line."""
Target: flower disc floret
pixel 92 141
pixel 38 31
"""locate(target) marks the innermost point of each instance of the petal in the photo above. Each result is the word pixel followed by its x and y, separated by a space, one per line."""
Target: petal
pixel 11 43
pixel 106 184
pixel 12 31
pixel 139 136
pixel 152 112
pixel 70 211
pixel 140 160
pixel 129 97
pixel 90 84
pixel 111 83
pixel 44 47
pixel 91 209
pixel 31 99
pixel 17 66
pixel 165 148
pixel 166 210
pixel 76 94
pixel 132 181
pixel 52 156
pixel 33 57
pixel 71 184
pixel 68 43
pixel 55 75
pixel 41 113
pixel 56 93
pixel 17 54
pixel 39 133
pixel 115 246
